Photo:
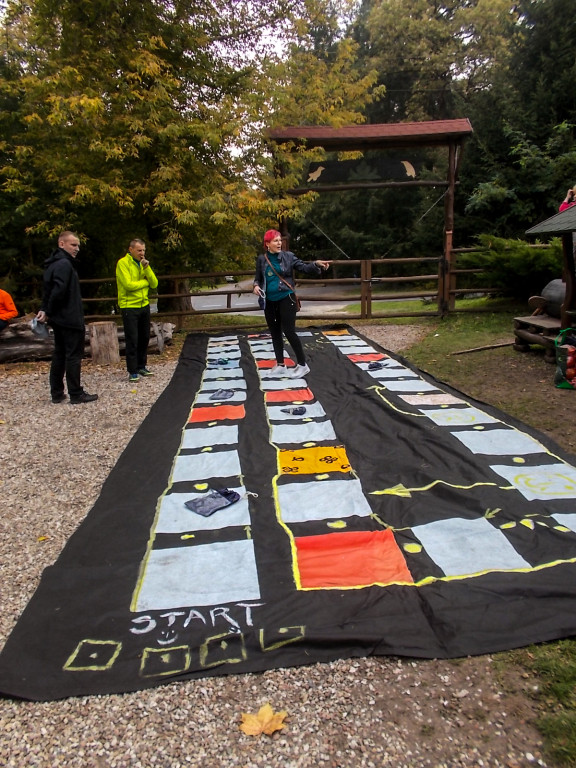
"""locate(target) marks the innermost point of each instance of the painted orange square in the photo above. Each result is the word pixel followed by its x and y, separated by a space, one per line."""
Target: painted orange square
pixel 315 460
pixel 288 395
pixel 337 333
pixel 369 357
pixel 217 413
pixel 289 363
pixel 351 559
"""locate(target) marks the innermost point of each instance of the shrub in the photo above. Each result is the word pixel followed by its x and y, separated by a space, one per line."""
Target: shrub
pixel 515 267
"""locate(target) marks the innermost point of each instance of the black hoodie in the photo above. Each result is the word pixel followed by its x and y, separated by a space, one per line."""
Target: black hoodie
pixel 62 300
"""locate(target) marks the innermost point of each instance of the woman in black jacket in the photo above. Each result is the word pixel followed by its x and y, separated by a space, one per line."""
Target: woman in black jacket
pixel 274 283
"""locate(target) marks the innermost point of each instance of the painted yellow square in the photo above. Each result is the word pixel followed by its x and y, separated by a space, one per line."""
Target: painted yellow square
pixel 314 460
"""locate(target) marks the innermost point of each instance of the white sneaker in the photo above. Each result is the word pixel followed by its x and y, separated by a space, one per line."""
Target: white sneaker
pixel 299 371
pixel 278 370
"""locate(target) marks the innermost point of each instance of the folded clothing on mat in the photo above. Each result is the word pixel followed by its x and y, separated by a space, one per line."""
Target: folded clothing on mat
pixel 215 500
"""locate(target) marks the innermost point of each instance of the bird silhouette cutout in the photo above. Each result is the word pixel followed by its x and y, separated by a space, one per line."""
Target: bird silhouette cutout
pixel 409 168
pixel 315 175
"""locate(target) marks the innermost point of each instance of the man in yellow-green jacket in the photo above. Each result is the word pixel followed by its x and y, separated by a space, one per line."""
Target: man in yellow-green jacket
pixel 134 277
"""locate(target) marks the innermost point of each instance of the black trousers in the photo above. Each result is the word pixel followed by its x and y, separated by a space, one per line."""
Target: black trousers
pixel 66 361
pixel 137 334
pixel 281 318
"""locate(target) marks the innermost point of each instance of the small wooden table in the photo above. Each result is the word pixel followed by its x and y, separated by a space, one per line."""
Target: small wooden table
pixel 537 329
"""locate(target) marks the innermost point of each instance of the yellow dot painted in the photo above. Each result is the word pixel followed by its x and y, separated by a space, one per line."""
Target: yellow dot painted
pixel 298 402
pixel 187 536
pixel 207 448
pixel 201 486
pixel 562 528
pixel 443 405
pixel 478 427
pixel 519 460
pixel 309 445
pixel 508 525
pixel 212 423
pixel 322 477
pixel 528 523
pixel 337 524
pixel 412 548
pixel 134 391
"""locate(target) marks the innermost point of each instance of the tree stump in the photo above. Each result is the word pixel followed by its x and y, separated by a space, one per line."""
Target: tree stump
pixel 104 342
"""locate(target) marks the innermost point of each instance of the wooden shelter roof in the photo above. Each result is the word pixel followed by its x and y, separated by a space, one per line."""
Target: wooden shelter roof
pixel 559 224
pixel 375 136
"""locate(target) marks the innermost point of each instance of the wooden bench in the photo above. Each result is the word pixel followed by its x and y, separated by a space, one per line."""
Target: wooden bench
pixel 537 329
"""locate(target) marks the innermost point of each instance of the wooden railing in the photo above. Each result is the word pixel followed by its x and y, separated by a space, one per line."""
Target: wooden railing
pixel 370 289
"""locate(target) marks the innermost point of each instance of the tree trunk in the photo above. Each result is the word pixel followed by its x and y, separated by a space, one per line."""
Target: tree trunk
pixel 18 342
pixel 104 343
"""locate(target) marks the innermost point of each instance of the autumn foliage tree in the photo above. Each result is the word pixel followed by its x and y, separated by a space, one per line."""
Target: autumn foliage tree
pixel 146 118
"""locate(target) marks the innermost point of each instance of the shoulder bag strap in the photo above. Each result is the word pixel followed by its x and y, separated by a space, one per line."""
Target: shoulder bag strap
pixel 277 275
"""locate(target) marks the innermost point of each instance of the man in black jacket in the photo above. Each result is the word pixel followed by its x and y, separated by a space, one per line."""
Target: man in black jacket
pixel 62 309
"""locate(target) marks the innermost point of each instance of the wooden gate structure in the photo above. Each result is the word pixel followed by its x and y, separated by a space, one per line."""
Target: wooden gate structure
pixel 387 136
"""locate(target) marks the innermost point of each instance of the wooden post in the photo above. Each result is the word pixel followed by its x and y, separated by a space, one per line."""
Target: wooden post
pixel 568 309
pixel 446 300
pixel 366 289
pixel 104 346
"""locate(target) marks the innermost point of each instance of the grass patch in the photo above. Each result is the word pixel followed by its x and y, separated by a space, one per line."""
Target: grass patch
pixel 410 305
pixel 555 666
pixel 481 303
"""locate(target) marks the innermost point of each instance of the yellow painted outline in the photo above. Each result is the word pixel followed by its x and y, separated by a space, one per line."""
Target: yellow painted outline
pixel 152 537
pixel 401 490
pixel 426 580
pixel 93 667
pixel 379 388
pixel 281 523
pixel 149 652
pixel 204 651
pixel 434 579
pixel 281 643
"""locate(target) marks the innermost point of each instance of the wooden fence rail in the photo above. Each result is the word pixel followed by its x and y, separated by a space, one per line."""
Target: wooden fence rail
pixel 436 285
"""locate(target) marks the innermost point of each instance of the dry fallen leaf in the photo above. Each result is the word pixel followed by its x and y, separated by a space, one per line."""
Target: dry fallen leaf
pixel 266 721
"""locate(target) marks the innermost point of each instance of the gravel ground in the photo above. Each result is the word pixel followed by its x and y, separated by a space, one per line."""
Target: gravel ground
pixel 361 712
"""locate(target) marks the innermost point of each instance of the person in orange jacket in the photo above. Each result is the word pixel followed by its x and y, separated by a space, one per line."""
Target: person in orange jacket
pixel 7 309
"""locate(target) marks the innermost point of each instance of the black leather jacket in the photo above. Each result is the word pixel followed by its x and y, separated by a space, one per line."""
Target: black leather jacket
pixel 288 263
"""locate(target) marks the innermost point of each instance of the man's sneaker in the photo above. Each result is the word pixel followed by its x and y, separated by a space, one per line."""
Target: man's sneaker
pixel 83 398
pixel 278 370
pixel 134 377
pixel 299 371
pixel 145 372
pixel 59 398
